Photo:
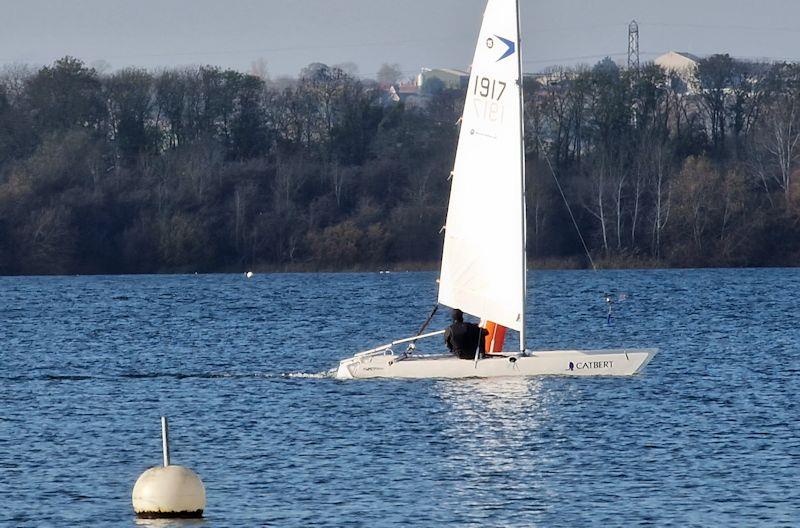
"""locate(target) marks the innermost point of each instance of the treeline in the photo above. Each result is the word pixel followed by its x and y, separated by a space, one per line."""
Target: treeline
pixel 697 169
pixel 204 169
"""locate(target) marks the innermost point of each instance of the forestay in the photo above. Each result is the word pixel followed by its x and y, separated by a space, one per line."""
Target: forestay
pixel 483 263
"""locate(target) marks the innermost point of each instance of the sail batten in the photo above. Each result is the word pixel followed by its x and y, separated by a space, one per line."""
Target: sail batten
pixel 483 261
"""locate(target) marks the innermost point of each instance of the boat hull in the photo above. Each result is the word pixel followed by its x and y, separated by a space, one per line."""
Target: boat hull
pixel 612 362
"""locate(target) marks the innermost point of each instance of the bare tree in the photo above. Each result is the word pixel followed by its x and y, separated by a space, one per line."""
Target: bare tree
pixel 594 201
pixel 389 74
pixel 13 78
pixel 662 194
pixel 779 137
pixel 258 68
pixel 716 76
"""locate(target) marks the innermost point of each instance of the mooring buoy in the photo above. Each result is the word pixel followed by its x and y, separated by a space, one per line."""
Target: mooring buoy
pixel 168 491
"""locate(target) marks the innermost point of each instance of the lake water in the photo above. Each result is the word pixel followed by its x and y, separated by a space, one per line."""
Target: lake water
pixel 706 436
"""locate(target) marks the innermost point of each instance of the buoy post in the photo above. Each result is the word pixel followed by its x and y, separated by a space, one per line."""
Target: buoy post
pixel 165 439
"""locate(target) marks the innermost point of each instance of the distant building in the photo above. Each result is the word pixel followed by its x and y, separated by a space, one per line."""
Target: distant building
pixel 418 91
pixel 403 92
pixel 682 65
pixel 406 90
pixel 678 62
pixel 450 79
pixel 552 76
pixel 392 95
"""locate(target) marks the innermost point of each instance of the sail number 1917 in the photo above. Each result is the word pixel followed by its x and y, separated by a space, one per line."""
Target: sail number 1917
pixel 490 88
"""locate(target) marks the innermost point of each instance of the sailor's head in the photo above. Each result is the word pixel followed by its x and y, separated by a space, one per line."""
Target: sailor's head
pixel 457 315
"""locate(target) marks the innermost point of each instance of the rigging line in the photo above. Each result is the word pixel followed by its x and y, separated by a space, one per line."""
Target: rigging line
pixel 564 197
pixel 422 328
pixel 579 57
pixel 722 27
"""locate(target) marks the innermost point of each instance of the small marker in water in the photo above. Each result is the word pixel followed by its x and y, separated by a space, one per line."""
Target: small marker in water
pixel 249 274
pixel 168 491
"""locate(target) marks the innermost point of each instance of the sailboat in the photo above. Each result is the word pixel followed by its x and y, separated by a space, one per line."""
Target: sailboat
pixel 484 268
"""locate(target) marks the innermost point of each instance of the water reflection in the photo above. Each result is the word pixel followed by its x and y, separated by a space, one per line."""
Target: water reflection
pixel 497 426
pixel 169 523
pixel 493 414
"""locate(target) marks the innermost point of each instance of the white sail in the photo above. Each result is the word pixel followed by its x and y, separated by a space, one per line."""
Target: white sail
pixel 483 263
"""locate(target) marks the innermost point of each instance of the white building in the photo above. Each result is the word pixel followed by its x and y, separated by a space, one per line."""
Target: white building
pixel 682 67
pixel 678 62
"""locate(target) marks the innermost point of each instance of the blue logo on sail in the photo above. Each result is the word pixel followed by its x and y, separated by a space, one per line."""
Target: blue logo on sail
pixel 510 45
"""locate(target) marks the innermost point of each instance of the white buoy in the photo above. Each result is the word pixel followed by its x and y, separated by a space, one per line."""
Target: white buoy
pixel 168 491
pixel 249 274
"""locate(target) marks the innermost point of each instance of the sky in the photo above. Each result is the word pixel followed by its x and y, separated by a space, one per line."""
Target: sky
pixel 289 34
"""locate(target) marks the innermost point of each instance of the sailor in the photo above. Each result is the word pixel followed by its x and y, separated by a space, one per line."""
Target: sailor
pixel 463 339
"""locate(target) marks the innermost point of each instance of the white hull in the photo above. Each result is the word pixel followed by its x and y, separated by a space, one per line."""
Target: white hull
pixel 613 362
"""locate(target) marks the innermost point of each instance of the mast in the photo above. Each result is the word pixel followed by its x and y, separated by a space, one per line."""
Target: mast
pixel 524 240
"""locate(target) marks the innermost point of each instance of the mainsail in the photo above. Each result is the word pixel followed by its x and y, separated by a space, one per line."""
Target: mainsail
pixel 483 263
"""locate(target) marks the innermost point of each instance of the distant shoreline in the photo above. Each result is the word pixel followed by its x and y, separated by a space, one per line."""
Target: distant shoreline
pixel 566 264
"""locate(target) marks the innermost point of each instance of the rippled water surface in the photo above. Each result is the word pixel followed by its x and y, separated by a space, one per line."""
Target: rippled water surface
pixel 707 436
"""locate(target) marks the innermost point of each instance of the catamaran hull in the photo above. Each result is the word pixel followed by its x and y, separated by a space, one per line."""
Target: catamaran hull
pixel 615 362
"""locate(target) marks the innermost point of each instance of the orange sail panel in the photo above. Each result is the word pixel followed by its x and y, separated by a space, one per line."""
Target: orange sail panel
pixel 495 338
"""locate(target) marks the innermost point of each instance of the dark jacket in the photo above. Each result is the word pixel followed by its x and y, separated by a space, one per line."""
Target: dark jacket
pixel 463 339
